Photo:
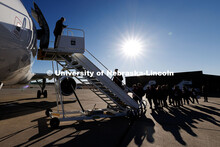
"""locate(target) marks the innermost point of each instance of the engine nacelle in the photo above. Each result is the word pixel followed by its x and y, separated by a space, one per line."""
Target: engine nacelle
pixel 67 85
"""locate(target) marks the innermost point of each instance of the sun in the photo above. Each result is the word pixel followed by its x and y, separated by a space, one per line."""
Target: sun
pixel 132 47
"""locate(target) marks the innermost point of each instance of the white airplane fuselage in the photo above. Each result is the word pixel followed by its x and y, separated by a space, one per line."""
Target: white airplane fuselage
pixel 17 43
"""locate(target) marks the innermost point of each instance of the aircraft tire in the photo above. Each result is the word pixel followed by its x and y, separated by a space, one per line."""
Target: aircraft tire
pixel 38 94
pixel 45 93
pixel 54 123
pixel 47 112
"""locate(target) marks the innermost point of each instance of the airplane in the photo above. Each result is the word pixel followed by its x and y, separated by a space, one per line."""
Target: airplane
pixel 18 48
pixel 18 44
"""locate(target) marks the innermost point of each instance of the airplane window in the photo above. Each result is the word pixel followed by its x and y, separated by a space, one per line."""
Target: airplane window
pixel 24 23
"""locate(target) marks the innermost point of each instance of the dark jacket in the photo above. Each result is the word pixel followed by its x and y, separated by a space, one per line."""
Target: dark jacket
pixel 118 80
pixel 58 28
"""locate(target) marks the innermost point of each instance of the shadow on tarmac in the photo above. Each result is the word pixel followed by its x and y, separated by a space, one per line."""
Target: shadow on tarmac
pixel 122 131
pixel 16 108
pixel 140 130
pixel 183 118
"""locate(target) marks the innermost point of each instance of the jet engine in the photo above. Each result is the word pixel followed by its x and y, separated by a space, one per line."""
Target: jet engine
pixel 67 86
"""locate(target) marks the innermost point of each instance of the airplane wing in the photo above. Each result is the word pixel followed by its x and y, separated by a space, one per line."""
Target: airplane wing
pixel 38 76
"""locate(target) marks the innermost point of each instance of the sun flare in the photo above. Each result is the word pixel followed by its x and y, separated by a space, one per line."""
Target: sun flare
pixel 132 47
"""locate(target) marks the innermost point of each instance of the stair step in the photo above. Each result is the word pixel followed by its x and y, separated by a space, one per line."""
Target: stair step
pixel 110 101
pixel 112 96
pixel 100 94
pixel 98 84
pixel 114 106
pixel 109 93
pixel 95 81
pixel 74 62
pixel 91 78
pixel 83 79
pixel 103 87
pixel 104 97
pixel 80 68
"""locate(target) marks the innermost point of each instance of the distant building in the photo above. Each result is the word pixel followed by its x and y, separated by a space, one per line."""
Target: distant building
pixel 197 77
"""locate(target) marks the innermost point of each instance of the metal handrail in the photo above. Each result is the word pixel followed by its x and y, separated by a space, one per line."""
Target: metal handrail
pixel 117 78
pixel 97 60
pixel 70 29
pixel 70 32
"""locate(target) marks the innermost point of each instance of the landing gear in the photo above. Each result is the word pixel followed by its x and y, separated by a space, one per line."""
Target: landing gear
pixel 54 123
pixel 47 112
pixel 45 93
pixel 42 91
pixel 38 94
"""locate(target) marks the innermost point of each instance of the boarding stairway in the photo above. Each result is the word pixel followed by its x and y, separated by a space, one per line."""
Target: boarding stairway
pixel 105 88
pixel 71 58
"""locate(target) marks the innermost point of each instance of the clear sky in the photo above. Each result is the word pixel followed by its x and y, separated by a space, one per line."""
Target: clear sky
pixel 175 35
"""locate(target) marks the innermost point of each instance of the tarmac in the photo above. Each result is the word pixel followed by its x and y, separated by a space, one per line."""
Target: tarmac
pixel 23 123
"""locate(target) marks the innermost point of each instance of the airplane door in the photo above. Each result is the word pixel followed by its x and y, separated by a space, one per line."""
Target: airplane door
pixel 44 33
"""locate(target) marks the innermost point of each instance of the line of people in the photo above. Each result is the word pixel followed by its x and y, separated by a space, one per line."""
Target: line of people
pixel 160 95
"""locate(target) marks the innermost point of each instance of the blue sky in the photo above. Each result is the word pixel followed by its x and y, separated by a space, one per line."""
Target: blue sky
pixel 176 35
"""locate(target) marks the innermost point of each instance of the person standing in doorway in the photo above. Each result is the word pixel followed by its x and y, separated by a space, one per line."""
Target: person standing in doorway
pixel 58 29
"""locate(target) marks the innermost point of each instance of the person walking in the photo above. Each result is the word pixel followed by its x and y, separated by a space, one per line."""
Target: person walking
pixel 118 78
pixel 149 95
pixel 194 96
pixel 186 95
pixel 204 92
